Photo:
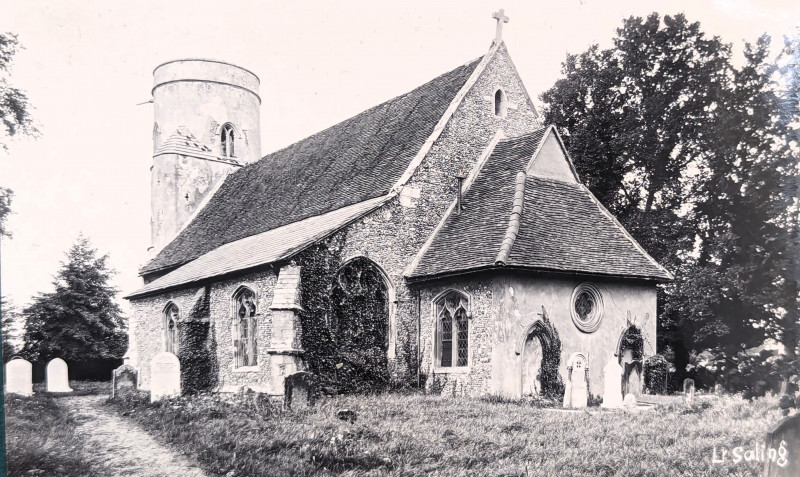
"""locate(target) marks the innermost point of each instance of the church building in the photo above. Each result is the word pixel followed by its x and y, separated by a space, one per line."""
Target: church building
pixel 441 239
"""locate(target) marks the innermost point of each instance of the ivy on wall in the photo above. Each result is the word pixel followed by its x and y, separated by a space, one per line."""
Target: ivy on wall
pixel 197 351
pixel 655 371
pixel 345 322
pixel 552 384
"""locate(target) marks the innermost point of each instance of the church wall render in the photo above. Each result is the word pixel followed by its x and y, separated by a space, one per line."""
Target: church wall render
pixel 518 300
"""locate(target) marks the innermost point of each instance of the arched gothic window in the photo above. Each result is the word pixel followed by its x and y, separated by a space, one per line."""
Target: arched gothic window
pixel 226 140
pixel 453 330
pixel 171 314
pixel 500 103
pixel 245 328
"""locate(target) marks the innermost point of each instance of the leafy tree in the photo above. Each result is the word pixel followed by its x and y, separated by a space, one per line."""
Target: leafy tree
pixel 689 153
pixel 9 318
pixel 79 321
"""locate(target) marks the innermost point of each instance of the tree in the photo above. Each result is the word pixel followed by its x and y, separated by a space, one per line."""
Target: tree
pixel 9 319
pixel 689 153
pixel 14 114
pixel 80 321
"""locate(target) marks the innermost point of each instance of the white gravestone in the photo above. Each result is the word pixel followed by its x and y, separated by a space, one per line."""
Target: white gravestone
pixel 57 376
pixel 576 395
pixel 165 376
pixel 19 377
pixel 612 384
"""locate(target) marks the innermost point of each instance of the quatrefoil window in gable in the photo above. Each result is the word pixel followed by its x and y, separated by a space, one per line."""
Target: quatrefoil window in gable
pixel 587 307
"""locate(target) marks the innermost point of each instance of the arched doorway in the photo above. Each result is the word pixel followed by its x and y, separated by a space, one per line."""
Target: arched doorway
pixel 360 308
pixel 540 352
pixel 630 351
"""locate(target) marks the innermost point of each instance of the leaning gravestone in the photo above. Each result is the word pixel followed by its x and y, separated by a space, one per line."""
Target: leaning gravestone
pixel 19 377
pixel 299 390
pixel 57 376
pixel 165 376
pixel 688 390
pixel 782 451
pixel 124 380
pixel 612 384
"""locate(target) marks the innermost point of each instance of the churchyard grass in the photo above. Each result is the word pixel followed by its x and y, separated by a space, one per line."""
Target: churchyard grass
pixel 416 434
pixel 41 439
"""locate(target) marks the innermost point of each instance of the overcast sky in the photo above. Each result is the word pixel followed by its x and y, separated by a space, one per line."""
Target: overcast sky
pixel 87 64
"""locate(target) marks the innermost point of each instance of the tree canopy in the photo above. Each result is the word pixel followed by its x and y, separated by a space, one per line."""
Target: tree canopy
pixel 690 152
pixel 80 320
pixel 14 114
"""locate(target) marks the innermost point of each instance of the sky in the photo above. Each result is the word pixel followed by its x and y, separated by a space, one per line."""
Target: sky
pixel 87 65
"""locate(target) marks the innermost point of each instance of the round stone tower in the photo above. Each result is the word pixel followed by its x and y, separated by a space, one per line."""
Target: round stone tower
pixel 207 124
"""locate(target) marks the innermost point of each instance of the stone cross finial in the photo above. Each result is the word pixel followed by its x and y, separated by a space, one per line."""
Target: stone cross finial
pixel 501 18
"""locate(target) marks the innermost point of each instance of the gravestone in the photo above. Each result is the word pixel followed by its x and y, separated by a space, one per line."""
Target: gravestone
pixel 57 376
pixel 124 380
pixel 19 377
pixel 299 390
pixel 782 451
pixel 688 390
pixel 576 393
pixel 165 376
pixel 630 401
pixel 612 384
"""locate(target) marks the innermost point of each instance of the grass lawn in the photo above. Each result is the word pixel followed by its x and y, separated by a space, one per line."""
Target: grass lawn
pixel 40 435
pixel 416 434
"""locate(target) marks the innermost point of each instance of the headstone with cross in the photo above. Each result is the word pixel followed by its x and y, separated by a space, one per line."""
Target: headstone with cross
pixel 501 18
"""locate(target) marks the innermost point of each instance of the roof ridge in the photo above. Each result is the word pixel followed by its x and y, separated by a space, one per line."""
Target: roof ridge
pixel 513 222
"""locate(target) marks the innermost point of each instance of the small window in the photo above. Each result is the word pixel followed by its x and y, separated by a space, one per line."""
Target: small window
pixel 587 307
pixel 453 330
pixel 171 314
pixel 245 328
pixel 500 103
pixel 226 141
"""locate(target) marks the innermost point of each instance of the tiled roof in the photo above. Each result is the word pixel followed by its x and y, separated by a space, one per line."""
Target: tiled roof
pixel 356 160
pixel 185 143
pixel 266 247
pixel 562 227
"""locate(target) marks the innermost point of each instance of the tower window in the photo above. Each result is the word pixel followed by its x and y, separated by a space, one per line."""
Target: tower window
pixel 500 103
pixel 226 141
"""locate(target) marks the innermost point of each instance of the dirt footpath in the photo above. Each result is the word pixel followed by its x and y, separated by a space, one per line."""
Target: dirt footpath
pixel 121 445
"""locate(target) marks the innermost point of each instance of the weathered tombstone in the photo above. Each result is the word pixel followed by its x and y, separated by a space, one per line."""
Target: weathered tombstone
pixel 299 390
pixel 782 451
pixel 688 390
pixel 719 390
pixel 630 401
pixel 19 377
pixel 57 376
pixel 165 376
pixel 124 379
pixel 576 394
pixel 612 384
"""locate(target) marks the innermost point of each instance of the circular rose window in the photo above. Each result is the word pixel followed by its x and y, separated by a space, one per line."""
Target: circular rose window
pixel 587 307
